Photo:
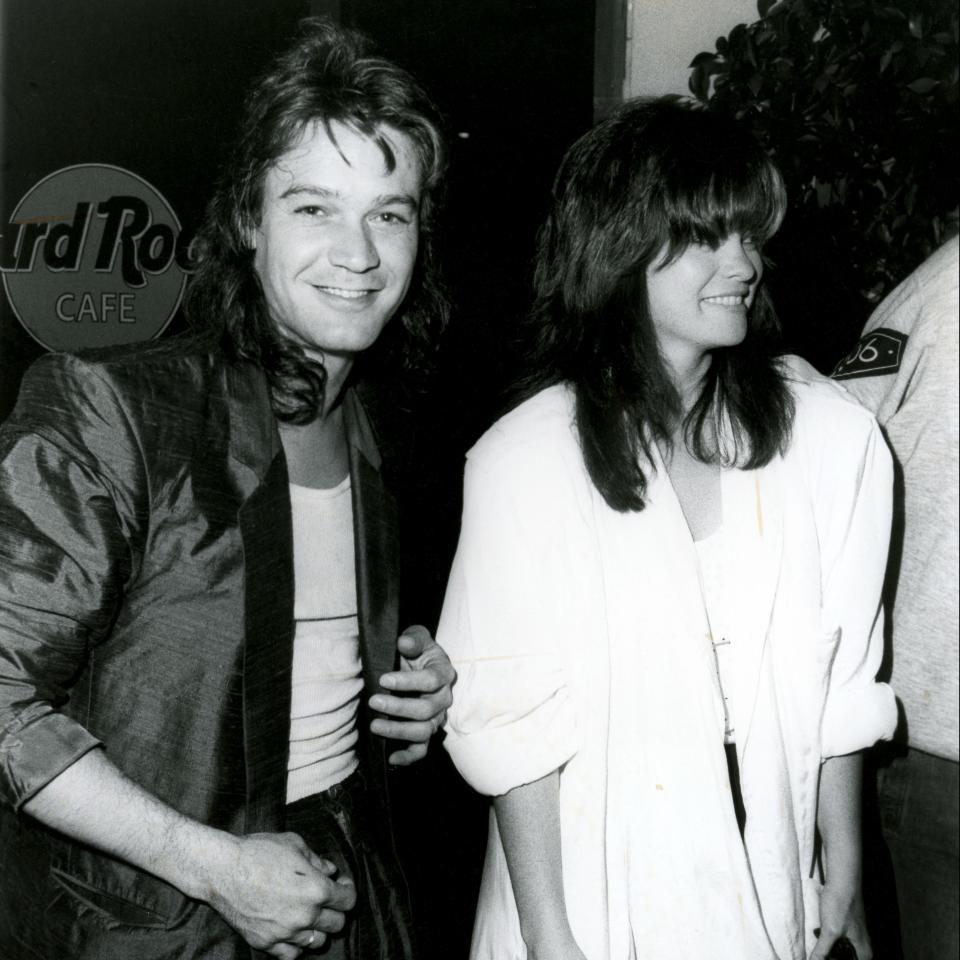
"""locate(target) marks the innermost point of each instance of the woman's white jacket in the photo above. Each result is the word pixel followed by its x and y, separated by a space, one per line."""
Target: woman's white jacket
pixel 581 643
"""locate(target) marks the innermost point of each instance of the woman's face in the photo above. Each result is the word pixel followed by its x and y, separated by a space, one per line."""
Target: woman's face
pixel 700 300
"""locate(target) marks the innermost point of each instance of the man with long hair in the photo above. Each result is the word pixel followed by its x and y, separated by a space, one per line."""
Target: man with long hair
pixel 198 591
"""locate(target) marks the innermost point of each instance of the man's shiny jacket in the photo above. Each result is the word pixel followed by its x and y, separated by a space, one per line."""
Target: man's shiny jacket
pixel 146 605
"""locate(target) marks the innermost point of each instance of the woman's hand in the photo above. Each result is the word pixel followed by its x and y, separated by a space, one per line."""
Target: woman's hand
pixel 841 915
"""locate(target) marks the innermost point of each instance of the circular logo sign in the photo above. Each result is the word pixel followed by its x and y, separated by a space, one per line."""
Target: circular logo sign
pixel 94 257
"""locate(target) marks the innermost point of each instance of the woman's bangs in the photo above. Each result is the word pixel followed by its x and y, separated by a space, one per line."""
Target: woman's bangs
pixel 748 201
pixel 754 204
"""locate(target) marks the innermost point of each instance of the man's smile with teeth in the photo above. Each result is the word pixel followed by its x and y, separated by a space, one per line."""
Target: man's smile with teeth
pixel 344 292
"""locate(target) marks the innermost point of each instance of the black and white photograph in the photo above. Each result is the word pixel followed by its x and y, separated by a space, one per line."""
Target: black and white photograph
pixel 479 480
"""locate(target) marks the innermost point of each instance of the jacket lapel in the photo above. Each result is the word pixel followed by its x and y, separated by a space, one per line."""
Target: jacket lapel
pixel 377 548
pixel 265 526
pixel 259 474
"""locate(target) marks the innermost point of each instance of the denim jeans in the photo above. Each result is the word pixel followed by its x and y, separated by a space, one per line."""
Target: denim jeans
pixel 912 874
pixel 343 825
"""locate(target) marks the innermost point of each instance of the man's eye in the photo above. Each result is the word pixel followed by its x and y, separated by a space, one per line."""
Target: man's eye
pixel 309 210
pixel 391 218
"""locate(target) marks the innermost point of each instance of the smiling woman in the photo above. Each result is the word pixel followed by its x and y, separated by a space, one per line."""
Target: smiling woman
pixel 664 605
pixel 640 232
pixel 699 301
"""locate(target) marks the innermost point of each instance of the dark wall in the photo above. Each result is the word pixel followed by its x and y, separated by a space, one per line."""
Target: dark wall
pixel 149 86
pixel 155 87
pixel 514 79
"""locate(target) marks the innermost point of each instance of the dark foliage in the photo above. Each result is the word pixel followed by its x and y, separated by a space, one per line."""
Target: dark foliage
pixel 856 100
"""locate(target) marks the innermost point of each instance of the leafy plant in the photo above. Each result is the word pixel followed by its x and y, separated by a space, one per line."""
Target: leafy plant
pixel 857 102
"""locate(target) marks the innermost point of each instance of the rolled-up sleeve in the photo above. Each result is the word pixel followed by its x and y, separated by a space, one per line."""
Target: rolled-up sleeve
pixel 513 718
pixel 854 506
pixel 64 558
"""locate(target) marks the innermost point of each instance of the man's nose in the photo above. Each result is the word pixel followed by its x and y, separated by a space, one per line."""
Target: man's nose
pixel 352 247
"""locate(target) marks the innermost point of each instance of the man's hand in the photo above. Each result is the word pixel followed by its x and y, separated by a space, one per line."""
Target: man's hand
pixel 270 887
pixel 421 691
pixel 277 893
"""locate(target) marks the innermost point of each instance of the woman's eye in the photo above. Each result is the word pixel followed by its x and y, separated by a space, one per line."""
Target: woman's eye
pixel 310 210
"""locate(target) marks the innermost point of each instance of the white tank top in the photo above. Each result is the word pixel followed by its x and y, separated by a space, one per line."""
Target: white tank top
pixel 327 673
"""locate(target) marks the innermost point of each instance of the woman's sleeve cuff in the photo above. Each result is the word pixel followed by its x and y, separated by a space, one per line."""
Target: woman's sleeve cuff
pixel 497 758
pixel 857 718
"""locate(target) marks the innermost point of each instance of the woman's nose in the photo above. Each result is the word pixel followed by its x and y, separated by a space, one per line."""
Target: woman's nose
pixel 740 262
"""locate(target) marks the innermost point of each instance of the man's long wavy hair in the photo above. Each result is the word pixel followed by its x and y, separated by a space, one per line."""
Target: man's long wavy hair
pixel 657 175
pixel 328 76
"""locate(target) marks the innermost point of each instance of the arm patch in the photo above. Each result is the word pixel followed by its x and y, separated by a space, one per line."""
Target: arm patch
pixel 877 352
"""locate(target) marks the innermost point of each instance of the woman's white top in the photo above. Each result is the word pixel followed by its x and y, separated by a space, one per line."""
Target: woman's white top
pixel 327 680
pixel 581 643
pixel 711 564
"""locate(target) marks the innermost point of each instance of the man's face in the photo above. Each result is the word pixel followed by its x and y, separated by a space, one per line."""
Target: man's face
pixel 337 239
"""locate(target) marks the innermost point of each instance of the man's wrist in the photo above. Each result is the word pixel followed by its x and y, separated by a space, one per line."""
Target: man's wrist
pixel 199 857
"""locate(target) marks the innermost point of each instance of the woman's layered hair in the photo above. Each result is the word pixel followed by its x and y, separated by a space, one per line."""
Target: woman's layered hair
pixel 329 76
pixel 637 189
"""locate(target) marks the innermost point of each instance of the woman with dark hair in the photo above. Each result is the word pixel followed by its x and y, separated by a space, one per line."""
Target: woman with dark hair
pixel 664 608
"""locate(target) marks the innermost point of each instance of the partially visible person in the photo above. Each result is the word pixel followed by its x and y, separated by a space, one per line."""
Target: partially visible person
pixel 665 603
pixel 200 670
pixel 905 369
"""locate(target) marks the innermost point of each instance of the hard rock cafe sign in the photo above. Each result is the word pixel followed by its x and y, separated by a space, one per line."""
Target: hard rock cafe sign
pixel 93 255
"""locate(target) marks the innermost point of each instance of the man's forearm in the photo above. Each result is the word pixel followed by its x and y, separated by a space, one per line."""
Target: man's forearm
pixel 271 888
pixel 93 802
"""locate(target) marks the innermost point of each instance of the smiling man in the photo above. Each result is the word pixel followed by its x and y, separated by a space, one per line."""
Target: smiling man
pixel 199 662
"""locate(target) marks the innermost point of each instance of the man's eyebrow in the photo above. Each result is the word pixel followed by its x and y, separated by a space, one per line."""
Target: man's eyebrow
pixel 323 193
pixel 385 200
pixel 301 190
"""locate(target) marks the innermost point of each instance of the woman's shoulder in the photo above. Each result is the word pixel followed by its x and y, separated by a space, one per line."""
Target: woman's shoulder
pixel 541 427
pixel 820 400
pixel 829 424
